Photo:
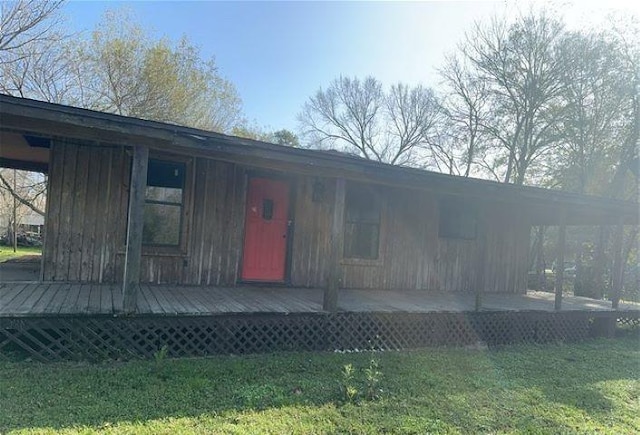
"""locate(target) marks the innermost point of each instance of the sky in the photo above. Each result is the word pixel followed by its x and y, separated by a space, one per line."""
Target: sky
pixel 278 54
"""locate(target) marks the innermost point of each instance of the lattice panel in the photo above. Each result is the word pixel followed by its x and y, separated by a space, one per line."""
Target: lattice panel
pixel 109 338
pixel 630 321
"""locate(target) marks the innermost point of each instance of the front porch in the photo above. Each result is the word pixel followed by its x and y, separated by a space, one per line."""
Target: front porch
pixel 52 321
pixel 22 299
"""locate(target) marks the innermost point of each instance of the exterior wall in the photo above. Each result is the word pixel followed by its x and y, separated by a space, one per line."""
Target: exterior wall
pixel 86 221
pixel 413 256
pixel 86 213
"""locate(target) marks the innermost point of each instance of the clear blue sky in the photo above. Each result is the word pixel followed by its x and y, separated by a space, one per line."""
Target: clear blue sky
pixel 278 53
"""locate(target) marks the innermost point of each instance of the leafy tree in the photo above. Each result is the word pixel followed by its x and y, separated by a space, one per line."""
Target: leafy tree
pixel 358 116
pixel 255 132
pixel 285 137
pixel 122 69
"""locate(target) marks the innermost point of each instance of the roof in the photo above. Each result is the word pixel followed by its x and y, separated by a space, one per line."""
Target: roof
pixel 541 206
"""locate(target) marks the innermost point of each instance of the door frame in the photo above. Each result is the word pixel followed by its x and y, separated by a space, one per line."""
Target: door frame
pixel 291 182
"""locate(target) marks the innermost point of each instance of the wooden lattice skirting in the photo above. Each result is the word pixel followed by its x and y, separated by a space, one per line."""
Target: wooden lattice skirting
pixel 105 337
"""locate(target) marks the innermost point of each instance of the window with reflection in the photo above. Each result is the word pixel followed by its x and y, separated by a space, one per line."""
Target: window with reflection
pixel 164 199
pixel 457 220
pixel 362 223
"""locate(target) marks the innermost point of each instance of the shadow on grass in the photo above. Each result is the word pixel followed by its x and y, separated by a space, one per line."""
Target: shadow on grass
pixel 477 391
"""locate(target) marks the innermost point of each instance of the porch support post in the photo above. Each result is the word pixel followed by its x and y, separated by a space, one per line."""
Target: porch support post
pixel 131 278
pixel 481 261
pixel 618 265
pixel 334 274
pixel 562 235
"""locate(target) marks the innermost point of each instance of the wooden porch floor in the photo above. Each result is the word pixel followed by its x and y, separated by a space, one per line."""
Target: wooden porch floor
pixel 37 298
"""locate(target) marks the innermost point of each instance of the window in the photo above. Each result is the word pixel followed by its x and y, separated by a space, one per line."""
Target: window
pixel 457 220
pixel 163 203
pixel 362 223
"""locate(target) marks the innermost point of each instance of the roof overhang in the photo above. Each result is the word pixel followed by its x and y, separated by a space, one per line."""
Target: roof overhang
pixel 538 206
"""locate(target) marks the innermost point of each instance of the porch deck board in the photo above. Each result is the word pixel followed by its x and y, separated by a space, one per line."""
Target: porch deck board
pixel 45 299
pixel 32 299
pixel 21 299
pixel 106 300
pixel 8 292
pixel 95 300
pixel 28 292
pixel 53 290
pixel 82 303
pixel 70 303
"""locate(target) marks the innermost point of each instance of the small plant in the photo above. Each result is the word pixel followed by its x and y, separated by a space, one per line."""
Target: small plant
pixel 159 359
pixel 349 389
pixel 161 355
pixel 370 383
pixel 373 376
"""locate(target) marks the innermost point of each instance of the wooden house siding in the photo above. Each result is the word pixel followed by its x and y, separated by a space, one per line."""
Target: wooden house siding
pixel 311 242
pixel 86 213
pixel 86 224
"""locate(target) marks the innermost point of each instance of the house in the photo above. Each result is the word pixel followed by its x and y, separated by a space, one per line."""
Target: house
pixel 132 201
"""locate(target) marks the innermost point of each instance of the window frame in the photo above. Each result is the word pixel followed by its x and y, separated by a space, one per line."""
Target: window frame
pixel 185 207
pixel 454 206
pixel 381 206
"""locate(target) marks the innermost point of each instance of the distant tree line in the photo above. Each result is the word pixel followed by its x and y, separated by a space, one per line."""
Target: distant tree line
pixel 523 102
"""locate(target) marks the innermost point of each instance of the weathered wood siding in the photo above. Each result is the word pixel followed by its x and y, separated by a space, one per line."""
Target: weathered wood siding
pixel 311 234
pixel 86 220
pixel 413 256
pixel 215 243
pixel 87 197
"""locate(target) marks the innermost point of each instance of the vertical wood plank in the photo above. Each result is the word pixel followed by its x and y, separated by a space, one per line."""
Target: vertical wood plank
pixel 330 300
pixel 52 220
pixel 77 229
pixel 104 217
pixel 562 233
pixel 66 214
pixel 133 249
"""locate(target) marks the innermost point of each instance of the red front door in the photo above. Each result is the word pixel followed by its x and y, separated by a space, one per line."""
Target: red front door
pixel 265 231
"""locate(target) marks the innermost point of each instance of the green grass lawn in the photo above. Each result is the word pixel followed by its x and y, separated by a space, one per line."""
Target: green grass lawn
pixel 578 388
pixel 6 252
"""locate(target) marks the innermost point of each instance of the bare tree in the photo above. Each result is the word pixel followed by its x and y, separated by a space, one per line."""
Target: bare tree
pixel 30 192
pixel 358 116
pixel 22 193
pixel 519 66
pixel 24 22
pixel 40 72
pixel 465 107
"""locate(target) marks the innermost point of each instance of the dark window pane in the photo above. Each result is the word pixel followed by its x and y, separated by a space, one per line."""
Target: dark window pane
pixel 163 206
pixel 362 206
pixel 457 220
pixel 161 224
pixel 163 173
pixel 361 240
pixel 267 209
pixel 362 223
